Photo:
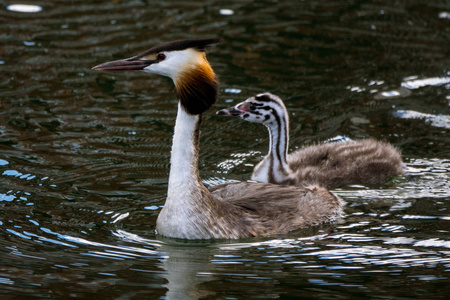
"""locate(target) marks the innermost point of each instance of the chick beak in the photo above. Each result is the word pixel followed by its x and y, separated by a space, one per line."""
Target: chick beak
pixel 230 112
pixel 235 111
pixel 132 63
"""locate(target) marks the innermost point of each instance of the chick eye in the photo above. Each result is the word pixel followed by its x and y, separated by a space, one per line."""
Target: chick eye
pixel 161 56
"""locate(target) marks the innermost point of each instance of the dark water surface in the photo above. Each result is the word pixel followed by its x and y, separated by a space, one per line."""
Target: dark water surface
pixel 84 155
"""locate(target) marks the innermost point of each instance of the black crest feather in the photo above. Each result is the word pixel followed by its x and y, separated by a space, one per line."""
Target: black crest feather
pixel 199 44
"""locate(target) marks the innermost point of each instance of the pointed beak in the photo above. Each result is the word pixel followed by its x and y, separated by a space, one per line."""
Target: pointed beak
pixel 235 111
pixel 230 112
pixel 124 64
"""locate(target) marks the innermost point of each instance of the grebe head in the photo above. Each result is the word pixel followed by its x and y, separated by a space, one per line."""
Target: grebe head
pixel 184 61
pixel 263 108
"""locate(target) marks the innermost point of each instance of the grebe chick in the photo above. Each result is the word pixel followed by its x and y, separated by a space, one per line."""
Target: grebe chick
pixel 229 211
pixel 330 165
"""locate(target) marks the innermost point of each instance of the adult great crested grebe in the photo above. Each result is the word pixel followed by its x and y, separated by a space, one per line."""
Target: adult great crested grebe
pixel 330 165
pixel 235 210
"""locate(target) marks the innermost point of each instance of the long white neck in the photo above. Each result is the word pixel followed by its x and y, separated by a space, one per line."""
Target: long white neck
pixel 183 206
pixel 184 156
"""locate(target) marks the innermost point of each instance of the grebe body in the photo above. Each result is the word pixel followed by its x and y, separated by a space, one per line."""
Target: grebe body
pixel 228 211
pixel 330 165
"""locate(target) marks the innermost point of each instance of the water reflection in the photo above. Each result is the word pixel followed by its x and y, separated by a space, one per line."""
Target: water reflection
pixel 186 264
pixel 187 268
pixel 434 120
pixel 24 8
pixel 424 178
pixel 414 82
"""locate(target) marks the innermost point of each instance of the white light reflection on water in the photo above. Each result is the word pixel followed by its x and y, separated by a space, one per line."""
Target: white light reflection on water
pixel 433 243
pixel 226 12
pixel 347 251
pixel 117 217
pixel 236 160
pixel 434 120
pixel 409 83
pixel 7 197
pixel 375 255
pixel 414 83
pixel 274 243
pixel 82 241
pixel 103 249
pixel 24 8
pixel 429 178
pixel 233 91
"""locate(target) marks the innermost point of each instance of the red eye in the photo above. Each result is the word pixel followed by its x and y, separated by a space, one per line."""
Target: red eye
pixel 161 56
